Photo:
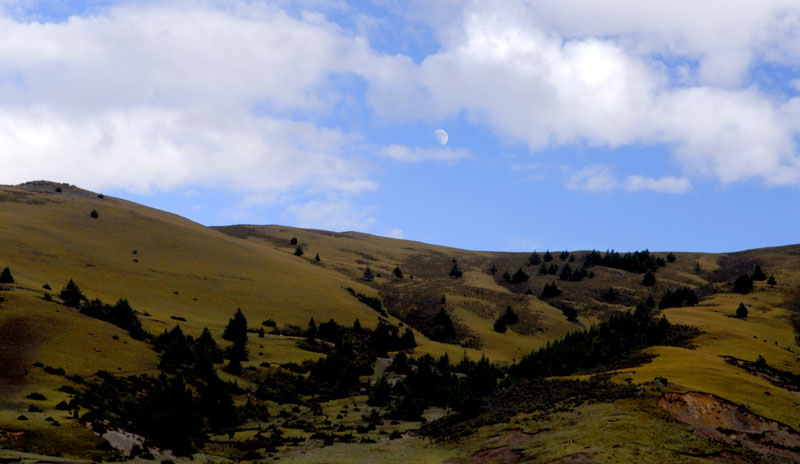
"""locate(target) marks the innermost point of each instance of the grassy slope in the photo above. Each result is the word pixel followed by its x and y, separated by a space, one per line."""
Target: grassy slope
pixel 48 238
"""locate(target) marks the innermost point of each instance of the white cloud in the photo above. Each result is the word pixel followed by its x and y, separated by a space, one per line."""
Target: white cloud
pixel 578 72
pixel 154 96
pixel 663 184
pixel 593 178
pixel 414 155
pixel 522 244
pixel 601 178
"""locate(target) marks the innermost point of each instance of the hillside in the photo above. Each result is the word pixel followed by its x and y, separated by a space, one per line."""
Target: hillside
pixel 174 271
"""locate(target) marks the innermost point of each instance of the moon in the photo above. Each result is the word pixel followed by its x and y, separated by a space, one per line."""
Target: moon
pixel 441 136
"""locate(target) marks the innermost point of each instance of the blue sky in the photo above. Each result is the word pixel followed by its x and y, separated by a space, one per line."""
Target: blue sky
pixel 668 125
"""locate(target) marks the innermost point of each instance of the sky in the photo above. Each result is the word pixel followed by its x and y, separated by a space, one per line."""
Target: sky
pixel 485 125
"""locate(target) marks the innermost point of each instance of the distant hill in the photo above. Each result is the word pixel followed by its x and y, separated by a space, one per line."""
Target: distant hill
pixel 174 271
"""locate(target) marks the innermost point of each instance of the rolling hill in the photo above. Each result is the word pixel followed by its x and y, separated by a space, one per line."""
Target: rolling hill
pixel 177 272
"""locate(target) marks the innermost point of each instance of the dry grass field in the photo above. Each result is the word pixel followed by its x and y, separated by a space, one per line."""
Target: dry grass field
pixel 174 271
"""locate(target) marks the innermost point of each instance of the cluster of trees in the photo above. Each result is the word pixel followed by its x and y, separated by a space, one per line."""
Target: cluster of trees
pixel 371 301
pixel 379 342
pixel 679 298
pixel 509 317
pixel 121 315
pixel 519 277
pixel 744 283
pixel 620 335
pixel 638 262
pixel 550 290
pixel 430 382
pixel 573 276
pixel 534 259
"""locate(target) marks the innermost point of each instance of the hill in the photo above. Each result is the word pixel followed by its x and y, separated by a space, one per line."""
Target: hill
pixel 173 271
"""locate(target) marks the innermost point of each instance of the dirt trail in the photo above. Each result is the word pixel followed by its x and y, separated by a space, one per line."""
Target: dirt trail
pixel 718 419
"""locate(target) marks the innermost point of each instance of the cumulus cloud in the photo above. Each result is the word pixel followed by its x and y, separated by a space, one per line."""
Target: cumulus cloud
pixel 406 154
pixel 155 96
pixel 577 72
pixel 337 215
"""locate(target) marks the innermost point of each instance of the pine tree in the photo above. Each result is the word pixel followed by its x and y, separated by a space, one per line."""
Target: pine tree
pixel 500 326
pixel 564 255
pixel 316 258
pixel 298 251
pixel 506 276
pixel 293 241
pixel 771 281
pixel 6 277
pixel 368 276
pixel 509 317
pixel 743 284
pixel 455 271
pixel 758 274
pixel 547 257
pixel 236 328
pixel 381 393
pixel 671 257
pixel 519 277
pixel 566 273
pixel 649 279
pixel 94 214
pixel 71 295
pixel 534 259
pixel 398 273
pixel 493 270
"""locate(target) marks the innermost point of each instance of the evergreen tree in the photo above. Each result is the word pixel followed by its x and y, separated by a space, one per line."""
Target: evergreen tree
pixel 534 259
pixel 293 241
pixel 500 326
pixel 506 276
pixel 566 273
pixel 571 258
pixel 547 256
pixel 509 317
pixel 741 311
pixel 519 277
pixel 407 341
pixel 398 274
pixel 553 269
pixel 381 393
pixel 564 255
pixel 455 271
pixel 94 214
pixel 238 351
pixel 442 328
pixel 671 257
pixel 298 251
pixel 71 295
pixel 236 328
pixel 316 258
pixel 743 284
pixel 649 279
pixel 6 277
pixel 771 281
pixel 543 269
pixel 311 331
pixel 550 290
pixel 758 274
pixel 493 270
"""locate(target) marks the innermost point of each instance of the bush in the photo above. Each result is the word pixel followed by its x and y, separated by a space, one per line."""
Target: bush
pixel 758 274
pixel 94 214
pixel 298 251
pixel 743 284
pixel 649 279
pixel 293 241
pixel 741 311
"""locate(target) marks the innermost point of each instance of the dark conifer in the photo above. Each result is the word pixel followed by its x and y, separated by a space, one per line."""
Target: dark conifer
pixel 6 277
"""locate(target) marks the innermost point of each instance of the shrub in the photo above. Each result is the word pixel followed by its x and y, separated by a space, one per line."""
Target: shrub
pixel 671 257
pixel 649 279
pixel 293 241
pixel 743 284
pixel 550 290
pixel 94 214
pixel 741 311
pixel 298 251
pixel 455 271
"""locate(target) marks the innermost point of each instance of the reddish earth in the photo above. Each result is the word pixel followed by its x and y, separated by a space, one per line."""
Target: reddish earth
pixel 712 417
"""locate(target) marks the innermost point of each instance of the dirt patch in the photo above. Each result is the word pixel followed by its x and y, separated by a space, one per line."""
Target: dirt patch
pixel 712 417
